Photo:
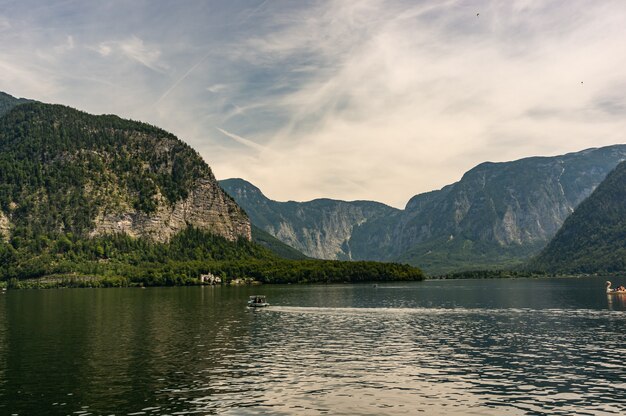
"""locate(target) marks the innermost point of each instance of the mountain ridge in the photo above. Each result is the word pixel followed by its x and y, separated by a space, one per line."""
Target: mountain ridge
pixel 333 220
pixel 497 215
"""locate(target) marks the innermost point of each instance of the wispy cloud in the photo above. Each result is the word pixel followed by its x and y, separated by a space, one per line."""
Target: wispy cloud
pixel 242 140
pixel 136 49
pixel 376 99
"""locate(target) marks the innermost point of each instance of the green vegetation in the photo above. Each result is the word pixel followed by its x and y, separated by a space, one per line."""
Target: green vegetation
pixel 459 255
pixel 120 260
pixel 7 102
pixel 496 216
pixel 593 238
pixel 490 274
pixel 60 167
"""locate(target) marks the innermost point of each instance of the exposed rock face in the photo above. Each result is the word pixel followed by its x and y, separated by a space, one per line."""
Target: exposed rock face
pixel 498 214
pixel 206 207
pixel 68 172
pixel 4 227
pixel 321 228
pixel 512 204
pixel 593 238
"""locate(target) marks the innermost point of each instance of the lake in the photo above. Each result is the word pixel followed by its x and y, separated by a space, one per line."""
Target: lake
pixel 482 347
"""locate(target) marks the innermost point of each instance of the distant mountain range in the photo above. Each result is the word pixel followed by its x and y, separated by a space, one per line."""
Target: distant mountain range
pixel 593 238
pixel 321 228
pixel 497 215
pixel 79 186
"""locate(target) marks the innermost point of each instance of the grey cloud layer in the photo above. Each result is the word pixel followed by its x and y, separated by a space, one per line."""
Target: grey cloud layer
pixel 354 100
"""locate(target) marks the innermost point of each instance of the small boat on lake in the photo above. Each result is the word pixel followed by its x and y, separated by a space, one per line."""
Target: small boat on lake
pixel 257 301
pixel 617 291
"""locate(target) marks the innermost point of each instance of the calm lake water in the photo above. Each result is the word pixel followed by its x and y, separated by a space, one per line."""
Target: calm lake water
pixel 483 347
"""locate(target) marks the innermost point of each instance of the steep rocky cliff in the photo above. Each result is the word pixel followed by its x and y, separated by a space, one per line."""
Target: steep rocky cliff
pixel 65 171
pixel 321 228
pixel 497 215
pixel 593 237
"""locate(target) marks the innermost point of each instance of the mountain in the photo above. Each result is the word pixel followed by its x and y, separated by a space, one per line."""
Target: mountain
pixel 100 201
pixel 496 215
pixel 321 228
pixel 593 238
pixel 66 171
pixel 7 102
pixel 276 246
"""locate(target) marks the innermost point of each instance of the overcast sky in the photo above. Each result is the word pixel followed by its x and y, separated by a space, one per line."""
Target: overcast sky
pixel 371 99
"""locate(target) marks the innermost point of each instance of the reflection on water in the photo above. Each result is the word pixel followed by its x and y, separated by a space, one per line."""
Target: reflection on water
pixel 478 347
pixel 616 301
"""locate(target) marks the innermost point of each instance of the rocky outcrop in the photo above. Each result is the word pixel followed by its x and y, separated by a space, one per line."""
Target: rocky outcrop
pixel 497 215
pixel 321 228
pixel 593 237
pixel 5 227
pixel 206 207
pixel 511 203
pixel 82 175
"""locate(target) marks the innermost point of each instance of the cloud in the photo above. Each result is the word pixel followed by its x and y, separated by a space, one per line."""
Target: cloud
pixel 5 24
pixel 135 48
pixel 242 140
pixel 407 98
pixel 66 46
pixel 376 99
pixel 104 50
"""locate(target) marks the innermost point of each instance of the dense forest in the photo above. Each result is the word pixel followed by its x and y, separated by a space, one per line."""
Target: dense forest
pixel 120 260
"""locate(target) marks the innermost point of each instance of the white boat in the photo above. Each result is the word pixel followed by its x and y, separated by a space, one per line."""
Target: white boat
pixel 257 301
pixel 610 291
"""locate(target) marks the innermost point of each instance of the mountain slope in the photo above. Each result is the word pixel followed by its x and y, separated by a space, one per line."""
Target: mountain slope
pixel 65 171
pixel 497 215
pixel 593 238
pixel 7 102
pixel 321 228
pixel 275 245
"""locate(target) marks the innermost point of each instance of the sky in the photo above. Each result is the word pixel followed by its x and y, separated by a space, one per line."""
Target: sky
pixel 372 99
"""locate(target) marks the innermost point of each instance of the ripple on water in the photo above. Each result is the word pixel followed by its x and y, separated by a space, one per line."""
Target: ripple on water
pixel 216 359
pixel 406 361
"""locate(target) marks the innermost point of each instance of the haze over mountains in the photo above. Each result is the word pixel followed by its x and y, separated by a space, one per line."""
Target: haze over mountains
pixel 497 215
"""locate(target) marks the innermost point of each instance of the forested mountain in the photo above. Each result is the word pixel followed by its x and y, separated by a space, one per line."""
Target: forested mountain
pixel 98 200
pixel 65 171
pixel 593 238
pixel 497 215
pixel 321 228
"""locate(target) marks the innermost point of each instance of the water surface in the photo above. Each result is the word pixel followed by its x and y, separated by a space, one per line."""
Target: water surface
pixel 548 346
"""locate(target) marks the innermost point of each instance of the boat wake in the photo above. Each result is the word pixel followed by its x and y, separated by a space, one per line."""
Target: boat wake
pixel 589 313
